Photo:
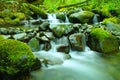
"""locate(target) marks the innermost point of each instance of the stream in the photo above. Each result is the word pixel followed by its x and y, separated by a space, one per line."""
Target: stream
pixel 83 65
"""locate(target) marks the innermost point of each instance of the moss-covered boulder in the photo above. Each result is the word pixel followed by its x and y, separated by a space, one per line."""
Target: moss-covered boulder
pixel 7 17
pixel 61 29
pixel 15 58
pixel 38 11
pixel 81 17
pixel 111 19
pixel 102 41
pixel 61 16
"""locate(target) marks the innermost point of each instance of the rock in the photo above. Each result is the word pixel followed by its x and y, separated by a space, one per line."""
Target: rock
pixel 19 15
pixel 45 46
pixel 41 37
pixel 63 48
pixel 34 44
pixel 112 27
pixel 3 31
pixel 20 36
pixel 44 26
pixel 49 35
pixel 81 17
pixel 62 29
pixel 77 41
pixel 111 19
pixel 102 41
pixel 6 36
pixel 37 22
pixel 61 16
pixel 15 57
pixel 38 11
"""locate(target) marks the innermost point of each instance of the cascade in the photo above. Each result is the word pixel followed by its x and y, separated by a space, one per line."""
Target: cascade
pixel 96 18
pixel 84 65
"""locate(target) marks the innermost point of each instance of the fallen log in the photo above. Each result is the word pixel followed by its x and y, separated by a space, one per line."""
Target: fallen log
pixel 73 4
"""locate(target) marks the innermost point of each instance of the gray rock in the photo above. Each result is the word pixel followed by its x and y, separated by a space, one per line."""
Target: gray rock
pixel 44 26
pixel 20 36
pixel 77 41
pixel 34 44
pixel 3 31
pixel 49 35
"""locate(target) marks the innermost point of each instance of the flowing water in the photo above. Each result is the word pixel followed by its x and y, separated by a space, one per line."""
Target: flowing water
pixel 86 65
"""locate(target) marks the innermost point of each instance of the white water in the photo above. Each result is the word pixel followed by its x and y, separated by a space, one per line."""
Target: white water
pixel 87 65
pixel 95 19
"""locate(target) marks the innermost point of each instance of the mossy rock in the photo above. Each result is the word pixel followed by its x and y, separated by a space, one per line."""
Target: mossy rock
pixel 1 37
pixel 61 29
pixel 38 11
pixel 111 19
pixel 15 57
pixel 102 41
pixel 6 13
pixel 81 17
pixel 61 16
pixel 19 15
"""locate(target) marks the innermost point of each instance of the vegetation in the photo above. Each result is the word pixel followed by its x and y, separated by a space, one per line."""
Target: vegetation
pixel 15 57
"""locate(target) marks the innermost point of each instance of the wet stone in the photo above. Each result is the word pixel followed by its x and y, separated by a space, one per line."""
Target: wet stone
pixel 19 36
pixel 49 35
pixel 44 26
pixel 63 48
pixel 34 44
pixel 77 41
pixel 4 31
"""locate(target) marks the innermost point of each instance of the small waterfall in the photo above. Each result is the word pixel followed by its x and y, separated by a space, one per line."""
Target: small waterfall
pixel 52 18
pixel 96 18
pixel 66 19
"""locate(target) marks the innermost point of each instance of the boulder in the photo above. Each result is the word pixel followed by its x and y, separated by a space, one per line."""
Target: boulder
pixel 44 26
pixel 61 16
pixel 61 29
pixel 37 10
pixel 102 41
pixel 15 57
pixel 34 44
pixel 81 17
pixel 19 36
pixel 63 48
pixel 77 41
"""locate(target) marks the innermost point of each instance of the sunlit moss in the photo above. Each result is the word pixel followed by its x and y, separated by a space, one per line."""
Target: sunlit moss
pixel 15 57
pixel 111 19
pixel 99 33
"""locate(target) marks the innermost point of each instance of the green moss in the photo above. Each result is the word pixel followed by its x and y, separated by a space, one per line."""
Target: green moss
pixel 19 15
pixel 1 37
pixel 99 34
pixel 111 19
pixel 6 13
pixel 2 21
pixel 37 10
pixel 15 57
